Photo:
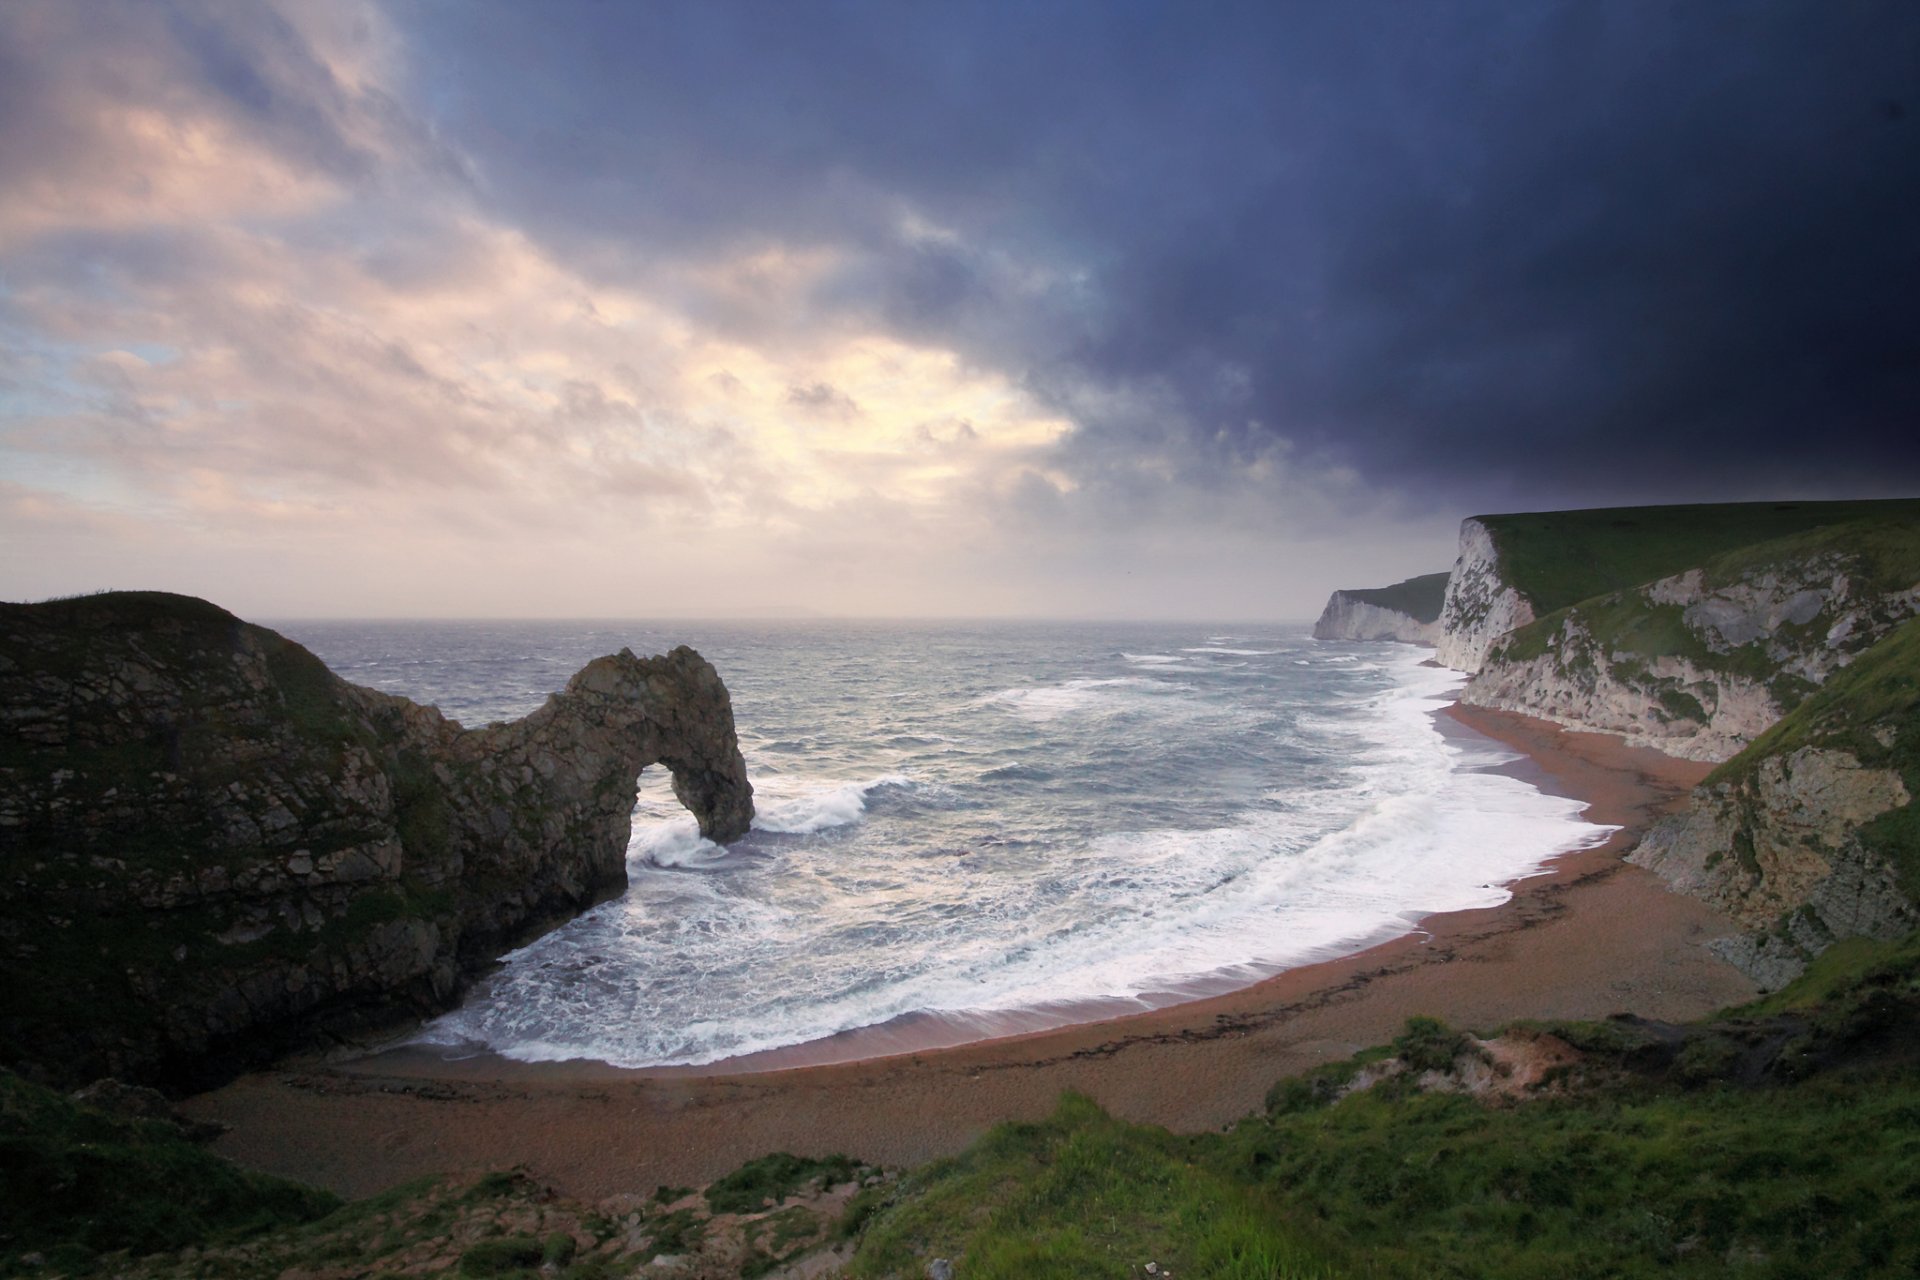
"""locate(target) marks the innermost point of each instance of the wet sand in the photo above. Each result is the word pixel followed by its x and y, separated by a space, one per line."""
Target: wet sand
pixel 1588 937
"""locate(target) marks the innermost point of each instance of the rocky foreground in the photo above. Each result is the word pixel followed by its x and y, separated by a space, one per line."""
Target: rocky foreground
pixel 213 849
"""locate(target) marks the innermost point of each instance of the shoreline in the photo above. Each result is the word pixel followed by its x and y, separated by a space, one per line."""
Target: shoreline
pixel 923 1032
pixel 1584 937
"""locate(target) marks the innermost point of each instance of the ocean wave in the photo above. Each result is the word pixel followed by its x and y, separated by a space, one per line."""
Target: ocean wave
pixel 1234 653
pixel 1049 702
pixel 820 806
pixel 1232 830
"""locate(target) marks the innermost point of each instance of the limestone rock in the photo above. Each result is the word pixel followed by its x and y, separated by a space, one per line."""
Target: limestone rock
pixel 1480 606
pixel 1738 649
pixel 1779 852
pixel 1408 612
pixel 212 848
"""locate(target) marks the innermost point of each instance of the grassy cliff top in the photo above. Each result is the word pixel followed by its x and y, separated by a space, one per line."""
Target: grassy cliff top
pixel 1558 558
pixel 129 608
pixel 1419 598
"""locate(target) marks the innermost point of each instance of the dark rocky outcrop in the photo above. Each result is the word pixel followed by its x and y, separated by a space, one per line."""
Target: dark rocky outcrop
pixel 213 849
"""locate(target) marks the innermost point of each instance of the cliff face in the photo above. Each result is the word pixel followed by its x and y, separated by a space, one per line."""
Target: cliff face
pixel 1407 611
pixel 215 849
pixel 1700 663
pixel 1809 835
pixel 1346 618
pixel 1781 853
pixel 1481 604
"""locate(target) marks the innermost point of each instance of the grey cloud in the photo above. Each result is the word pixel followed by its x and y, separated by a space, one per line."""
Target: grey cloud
pixel 824 399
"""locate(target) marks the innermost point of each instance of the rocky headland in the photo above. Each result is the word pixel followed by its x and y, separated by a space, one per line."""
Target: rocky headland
pixel 1407 611
pixel 214 849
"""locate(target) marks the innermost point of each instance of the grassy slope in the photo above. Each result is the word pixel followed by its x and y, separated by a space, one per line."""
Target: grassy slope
pixel 1679 1172
pixel 75 1181
pixel 1418 598
pixel 1558 558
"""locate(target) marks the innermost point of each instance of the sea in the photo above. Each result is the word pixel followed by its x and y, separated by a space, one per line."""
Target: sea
pixel 966 828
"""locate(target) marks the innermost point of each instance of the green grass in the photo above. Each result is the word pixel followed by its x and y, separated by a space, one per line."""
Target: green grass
pixel 506 1256
pixel 1848 967
pixel 77 1181
pixel 1815 1177
pixel 1419 598
pixel 1082 1195
pixel 1654 1162
pixel 1559 558
pixel 772 1178
pixel 1879 688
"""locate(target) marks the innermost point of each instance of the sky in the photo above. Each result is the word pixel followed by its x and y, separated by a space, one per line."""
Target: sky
pixel 1107 310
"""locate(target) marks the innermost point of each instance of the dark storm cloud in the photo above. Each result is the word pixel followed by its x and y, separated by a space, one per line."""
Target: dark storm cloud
pixel 1466 242
pixel 1578 251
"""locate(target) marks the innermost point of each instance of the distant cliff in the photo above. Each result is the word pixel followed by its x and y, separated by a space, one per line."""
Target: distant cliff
pixel 214 848
pixel 1408 611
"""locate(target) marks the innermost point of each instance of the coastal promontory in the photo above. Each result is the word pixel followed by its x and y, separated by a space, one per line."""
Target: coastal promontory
pixel 1407 611
pixel 214 849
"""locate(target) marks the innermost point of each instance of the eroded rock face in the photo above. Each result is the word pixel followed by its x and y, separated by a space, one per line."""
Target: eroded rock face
pixel 1780 853
pixel 1480 606
pixel 1747 648
pixel 213 849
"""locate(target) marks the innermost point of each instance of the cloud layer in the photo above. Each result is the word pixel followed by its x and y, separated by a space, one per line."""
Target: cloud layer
pixel 1124 310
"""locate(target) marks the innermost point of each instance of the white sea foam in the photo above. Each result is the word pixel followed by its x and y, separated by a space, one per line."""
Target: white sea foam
pixel 1234 653
pixel 786 941
pixel 1048 702
pixel 810 807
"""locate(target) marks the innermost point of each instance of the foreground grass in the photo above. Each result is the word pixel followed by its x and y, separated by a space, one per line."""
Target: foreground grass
pixel 76 1182
pixel 1817 1179
pixel 1782 1140
pixel 1779 1140
pixel 1084 1195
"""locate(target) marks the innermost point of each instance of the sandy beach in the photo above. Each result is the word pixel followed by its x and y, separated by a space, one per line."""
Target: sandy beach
pixel 1590 936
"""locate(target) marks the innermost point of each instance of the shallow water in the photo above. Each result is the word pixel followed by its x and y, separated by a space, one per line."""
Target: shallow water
pixel 982 818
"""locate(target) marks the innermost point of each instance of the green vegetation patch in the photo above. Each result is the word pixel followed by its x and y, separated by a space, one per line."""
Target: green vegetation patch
pixel 772 1178
pixel 1649 1159
pixel 1559 558
pixel 503 1257
pixel 1419 598
pixel 79 1182
pixel 1428 1044
pixel 1082 1195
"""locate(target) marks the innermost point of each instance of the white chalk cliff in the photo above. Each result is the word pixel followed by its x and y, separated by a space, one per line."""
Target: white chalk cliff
pixel 1407 611
pixel 1481 606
